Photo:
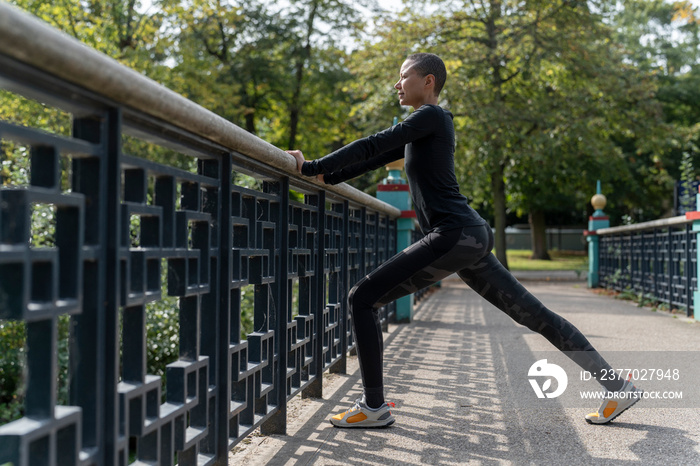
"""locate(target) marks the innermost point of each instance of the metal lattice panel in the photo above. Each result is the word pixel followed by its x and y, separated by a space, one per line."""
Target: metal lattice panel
pixel 172 224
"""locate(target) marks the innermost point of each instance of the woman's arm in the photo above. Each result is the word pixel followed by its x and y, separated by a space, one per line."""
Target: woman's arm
pixel 360 168
pixel 418 125
pixel 352 171
pixel 299 157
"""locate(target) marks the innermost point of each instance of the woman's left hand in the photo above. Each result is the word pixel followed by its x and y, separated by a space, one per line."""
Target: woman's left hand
pixel 299 158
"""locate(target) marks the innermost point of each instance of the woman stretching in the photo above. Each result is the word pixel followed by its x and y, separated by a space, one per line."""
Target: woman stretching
pixel 457 240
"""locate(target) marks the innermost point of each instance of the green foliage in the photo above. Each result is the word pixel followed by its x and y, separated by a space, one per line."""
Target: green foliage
pixel 139 148
pixel 12 357
pixel 162 334
pixel 659 35
pixel 43 226
pixel 17 110
pixel 547 100
pixel 687 199
pixel 247 310
pixel 127 30
pixel 13 363
pixel 63 359
pixel 548 96
pixel 531 88
pixel 661 39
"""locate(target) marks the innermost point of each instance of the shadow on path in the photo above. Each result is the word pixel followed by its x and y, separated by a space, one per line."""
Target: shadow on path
pixel 456 376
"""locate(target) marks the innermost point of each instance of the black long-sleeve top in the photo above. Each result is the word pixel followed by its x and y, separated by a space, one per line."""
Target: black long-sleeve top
pixel 427 141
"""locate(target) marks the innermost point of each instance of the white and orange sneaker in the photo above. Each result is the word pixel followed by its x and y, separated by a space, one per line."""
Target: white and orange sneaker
pixel 362 416
pixel 615 403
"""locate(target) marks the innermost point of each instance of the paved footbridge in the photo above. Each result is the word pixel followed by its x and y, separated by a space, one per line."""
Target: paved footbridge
pixel 457 375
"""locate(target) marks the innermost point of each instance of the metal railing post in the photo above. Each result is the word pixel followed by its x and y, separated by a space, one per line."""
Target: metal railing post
pixel 277 423
pixel 111 164
pixel 89 388
pixel 340 367
pixel 655 261
pixel 670 268
pixel 315 388
pixel 220 357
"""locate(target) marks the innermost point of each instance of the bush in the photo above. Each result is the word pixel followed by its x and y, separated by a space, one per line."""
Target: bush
pixel 12 337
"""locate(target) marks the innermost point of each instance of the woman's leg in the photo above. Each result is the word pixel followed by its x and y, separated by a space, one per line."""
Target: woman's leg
pixel 428 261
pixel 495 283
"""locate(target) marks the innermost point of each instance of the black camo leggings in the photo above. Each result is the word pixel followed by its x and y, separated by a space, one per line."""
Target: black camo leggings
pixel 466 251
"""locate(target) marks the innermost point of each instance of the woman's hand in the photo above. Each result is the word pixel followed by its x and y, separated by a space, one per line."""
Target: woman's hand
pixel 299 158
pixel 300 161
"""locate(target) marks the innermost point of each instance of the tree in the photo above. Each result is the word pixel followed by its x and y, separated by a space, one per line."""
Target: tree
pixel 512 55
pixel 663 38
pixel 548 99
pixel 585 108
pixel 227 57
pixel 544 103
pixel 272 69
pixel 316 26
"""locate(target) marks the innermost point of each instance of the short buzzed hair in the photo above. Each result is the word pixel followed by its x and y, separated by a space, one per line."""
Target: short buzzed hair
pixel 429 63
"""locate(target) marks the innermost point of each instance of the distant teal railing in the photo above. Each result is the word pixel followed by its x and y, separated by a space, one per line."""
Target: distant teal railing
pixel 656 260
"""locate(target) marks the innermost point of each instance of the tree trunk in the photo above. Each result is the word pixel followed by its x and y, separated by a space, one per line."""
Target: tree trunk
pixel 295 105
pixel 250 122
pixel 497 174
pixel 294 108
pixel 499 213
pixel 538 235
pixel 293 125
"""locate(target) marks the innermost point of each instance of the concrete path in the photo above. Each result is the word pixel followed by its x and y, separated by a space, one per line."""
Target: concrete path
pixel 458 376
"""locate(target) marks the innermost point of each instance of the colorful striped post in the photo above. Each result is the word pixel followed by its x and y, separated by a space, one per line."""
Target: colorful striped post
pixel 596 221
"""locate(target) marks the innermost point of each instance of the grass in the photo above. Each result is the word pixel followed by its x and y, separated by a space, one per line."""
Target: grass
pixel 519 260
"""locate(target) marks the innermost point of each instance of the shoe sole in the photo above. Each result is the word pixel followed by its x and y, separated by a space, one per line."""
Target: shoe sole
pixel 615 416
pixel 364 426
